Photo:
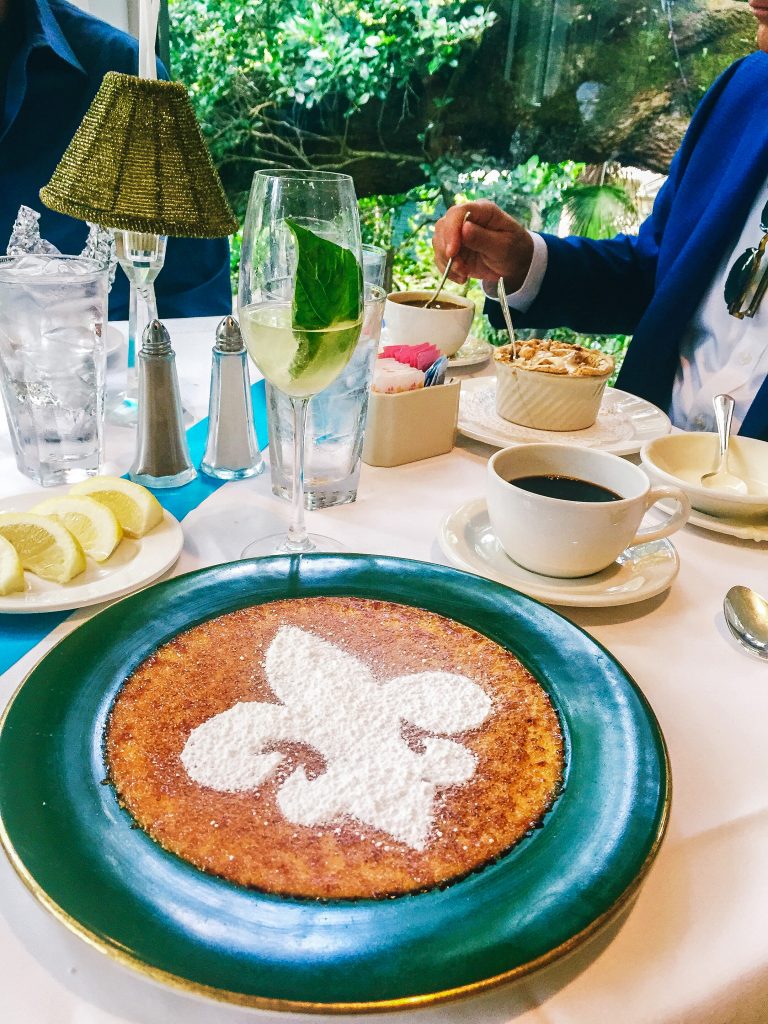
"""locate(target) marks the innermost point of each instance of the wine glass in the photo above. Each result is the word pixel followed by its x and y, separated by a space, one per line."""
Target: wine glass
pixel 300 304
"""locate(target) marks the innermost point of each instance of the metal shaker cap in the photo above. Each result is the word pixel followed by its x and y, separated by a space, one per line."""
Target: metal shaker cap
pixel 228 336
pixel 156 341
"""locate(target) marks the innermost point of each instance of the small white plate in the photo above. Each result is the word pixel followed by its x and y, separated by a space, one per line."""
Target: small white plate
pixel 468 542
pixel 134 564
pixel 745 529
pixel 474 352
pixel 624 423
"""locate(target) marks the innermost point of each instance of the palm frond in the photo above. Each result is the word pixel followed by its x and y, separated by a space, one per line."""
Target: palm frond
pixel 597 211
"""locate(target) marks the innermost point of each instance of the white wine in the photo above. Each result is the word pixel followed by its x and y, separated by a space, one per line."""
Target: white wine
pixel 298 362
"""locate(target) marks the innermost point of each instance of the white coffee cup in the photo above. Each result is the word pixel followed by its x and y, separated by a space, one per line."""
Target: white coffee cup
pixel 447 328
pixel 557 537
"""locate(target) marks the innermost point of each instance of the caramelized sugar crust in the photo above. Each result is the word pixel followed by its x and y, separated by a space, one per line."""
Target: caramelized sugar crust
pixel 244 837
pixel 557 357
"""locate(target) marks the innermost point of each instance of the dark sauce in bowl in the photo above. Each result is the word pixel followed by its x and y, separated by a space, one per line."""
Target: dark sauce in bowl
pixel 421 303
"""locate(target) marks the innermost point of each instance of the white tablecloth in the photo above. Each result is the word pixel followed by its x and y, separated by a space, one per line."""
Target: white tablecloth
pixel 693 948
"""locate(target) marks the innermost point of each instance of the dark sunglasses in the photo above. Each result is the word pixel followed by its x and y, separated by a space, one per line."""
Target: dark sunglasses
pixel 744 277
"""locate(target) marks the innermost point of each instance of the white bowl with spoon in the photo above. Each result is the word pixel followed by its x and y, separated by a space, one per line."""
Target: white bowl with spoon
pixel 446 323
pixel 681 460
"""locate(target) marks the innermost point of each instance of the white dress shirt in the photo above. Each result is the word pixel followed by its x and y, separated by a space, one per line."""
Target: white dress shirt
pixel 718 353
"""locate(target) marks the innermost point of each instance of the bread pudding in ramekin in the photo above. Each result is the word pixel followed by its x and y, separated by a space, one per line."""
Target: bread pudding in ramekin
pixel 550 385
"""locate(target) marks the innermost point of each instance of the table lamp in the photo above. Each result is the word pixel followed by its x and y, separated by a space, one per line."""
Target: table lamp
pixel 138 164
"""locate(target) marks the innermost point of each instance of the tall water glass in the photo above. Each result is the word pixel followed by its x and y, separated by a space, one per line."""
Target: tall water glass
pixel 374 265
pixel 300 303
pixel 53 362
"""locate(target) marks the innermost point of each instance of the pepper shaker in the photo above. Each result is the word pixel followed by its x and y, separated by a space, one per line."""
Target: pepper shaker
pixel 231 450
pixel 162 454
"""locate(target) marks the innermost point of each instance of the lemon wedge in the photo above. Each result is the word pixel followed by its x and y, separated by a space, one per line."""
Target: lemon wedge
pixel 11 569
pixel 95 525
pixel 137 510
pixel 44 546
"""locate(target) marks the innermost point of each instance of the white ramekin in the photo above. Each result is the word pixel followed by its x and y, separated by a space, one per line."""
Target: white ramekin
pixel 547 401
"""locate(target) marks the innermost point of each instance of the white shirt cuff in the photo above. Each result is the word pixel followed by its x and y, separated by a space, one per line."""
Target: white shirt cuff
pixel 524 296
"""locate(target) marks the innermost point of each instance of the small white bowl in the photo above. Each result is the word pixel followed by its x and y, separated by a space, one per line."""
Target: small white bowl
pixel 448 329
pixel 682 459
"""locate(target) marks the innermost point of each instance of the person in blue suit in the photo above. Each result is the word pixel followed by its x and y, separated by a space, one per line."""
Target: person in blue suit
pixel 53 58
pixel 689 286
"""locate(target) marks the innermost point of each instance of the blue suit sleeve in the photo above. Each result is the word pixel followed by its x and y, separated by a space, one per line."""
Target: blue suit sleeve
pixel 600 287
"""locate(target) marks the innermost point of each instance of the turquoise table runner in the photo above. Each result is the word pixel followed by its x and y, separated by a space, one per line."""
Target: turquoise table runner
pixel 20 633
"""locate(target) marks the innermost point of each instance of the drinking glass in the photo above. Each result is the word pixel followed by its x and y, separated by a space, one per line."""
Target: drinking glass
pixel 374 265
pixel 52 363
pixel 300 304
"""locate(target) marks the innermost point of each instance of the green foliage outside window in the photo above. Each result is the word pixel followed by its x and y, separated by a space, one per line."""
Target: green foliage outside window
pixel 449 94
pixel 283 53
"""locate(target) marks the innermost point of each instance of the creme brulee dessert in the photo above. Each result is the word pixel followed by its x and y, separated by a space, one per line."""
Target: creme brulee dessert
pixel 550 385
pixel 335 747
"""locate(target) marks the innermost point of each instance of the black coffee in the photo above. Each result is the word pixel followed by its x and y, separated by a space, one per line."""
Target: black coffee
pixel 568 488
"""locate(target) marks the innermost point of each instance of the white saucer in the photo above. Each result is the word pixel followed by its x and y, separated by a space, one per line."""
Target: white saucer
pixel 624 423
pixel 468 542
pixel 745 529
pixel 474 352
pixel 134 564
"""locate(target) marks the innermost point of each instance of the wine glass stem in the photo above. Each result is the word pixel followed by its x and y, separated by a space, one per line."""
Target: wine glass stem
pixel 297 531
pixel 142 310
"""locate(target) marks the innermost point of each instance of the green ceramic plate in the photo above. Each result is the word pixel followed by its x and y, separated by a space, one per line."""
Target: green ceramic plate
pixel 76 850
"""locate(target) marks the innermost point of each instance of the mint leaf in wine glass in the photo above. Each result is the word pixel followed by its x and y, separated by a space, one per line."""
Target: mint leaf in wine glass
pixel 328 291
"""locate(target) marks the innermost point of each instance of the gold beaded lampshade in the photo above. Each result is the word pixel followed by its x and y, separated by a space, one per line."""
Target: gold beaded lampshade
pixel 138 162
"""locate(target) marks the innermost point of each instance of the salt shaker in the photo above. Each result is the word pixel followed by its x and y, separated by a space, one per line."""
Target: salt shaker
pixel 231 451
pixel 162 454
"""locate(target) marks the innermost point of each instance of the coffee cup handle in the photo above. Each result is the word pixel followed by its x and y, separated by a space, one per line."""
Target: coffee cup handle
pixel 674 522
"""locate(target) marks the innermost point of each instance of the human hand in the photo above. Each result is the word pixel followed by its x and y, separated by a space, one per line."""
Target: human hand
pixel 484 242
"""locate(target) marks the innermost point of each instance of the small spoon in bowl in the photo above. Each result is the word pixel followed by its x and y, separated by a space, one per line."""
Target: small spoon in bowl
pixel 746 615
pixel 433 299
pixel 721 479
pixel 501 293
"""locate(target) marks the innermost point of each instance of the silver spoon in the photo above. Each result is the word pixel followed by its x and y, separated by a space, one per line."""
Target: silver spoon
pixel 431 301
pixel 502 296
pixel 746 614
pixel 721 478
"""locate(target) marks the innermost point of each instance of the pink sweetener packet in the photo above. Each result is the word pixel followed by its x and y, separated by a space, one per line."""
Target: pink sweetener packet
pixel 425 359
pixel 418 356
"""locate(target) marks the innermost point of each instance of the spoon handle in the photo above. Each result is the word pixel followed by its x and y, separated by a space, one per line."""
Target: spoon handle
pixel 502 297
pixel 723 405
pixel 446 272
pixel 431 301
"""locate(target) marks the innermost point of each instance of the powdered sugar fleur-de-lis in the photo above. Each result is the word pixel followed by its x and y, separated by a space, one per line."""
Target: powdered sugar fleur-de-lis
pixel 332 702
